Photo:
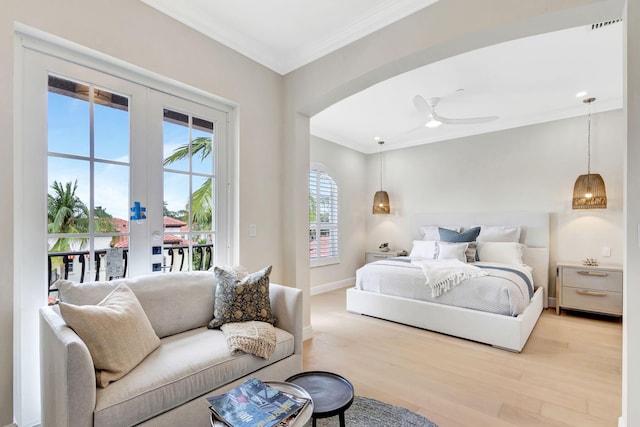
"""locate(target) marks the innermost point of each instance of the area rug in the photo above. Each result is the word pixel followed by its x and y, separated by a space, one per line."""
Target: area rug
pixel 365 412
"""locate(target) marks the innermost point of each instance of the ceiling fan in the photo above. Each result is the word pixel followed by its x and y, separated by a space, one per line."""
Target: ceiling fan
pixel 434 120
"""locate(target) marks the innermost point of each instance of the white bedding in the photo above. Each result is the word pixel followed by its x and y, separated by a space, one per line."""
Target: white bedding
pixel 500 292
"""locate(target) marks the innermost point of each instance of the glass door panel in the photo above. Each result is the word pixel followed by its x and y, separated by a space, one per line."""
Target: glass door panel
pixel 88 179
pixel 189 149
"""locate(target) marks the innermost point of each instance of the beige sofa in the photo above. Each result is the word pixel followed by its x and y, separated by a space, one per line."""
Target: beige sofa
pixel 168 387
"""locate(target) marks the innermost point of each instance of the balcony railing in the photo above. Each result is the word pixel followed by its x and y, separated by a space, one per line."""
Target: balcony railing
pixel 176 258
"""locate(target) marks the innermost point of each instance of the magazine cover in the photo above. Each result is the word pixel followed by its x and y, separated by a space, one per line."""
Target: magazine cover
pixel 254 404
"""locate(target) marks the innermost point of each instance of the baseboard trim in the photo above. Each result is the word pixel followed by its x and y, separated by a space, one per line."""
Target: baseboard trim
pixel 551 301
pixel 307 333
pixel 328 287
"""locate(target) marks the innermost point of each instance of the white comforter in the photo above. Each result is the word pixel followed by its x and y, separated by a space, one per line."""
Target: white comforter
pixel 506 289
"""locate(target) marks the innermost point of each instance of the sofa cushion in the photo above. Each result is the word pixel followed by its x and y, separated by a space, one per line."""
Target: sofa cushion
pixel 241 300
pixel 116 331
pixel 185 365
pixel 173 302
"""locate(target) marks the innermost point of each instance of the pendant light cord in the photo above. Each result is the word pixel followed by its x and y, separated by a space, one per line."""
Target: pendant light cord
pixel 589 142
pixel 380 143
pixel 589 101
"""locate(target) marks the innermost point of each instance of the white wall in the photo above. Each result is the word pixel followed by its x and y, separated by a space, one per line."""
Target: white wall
pixel 527 169
pixel 631 325
pixel 348 168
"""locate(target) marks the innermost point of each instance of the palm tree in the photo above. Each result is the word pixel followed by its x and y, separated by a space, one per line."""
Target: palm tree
pixel 67 214
pixel 202 203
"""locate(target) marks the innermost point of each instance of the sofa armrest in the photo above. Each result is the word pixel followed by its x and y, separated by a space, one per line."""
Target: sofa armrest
pixel 286 305
pixel 67 375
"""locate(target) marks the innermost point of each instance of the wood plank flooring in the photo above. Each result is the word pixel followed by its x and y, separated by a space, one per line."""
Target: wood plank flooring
pixel 569 373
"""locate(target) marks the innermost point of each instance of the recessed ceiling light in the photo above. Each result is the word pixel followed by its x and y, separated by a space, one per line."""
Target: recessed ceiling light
pixel 581 94
pixel 377 138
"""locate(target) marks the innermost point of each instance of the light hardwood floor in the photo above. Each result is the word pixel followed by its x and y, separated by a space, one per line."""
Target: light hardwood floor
pixel 569 373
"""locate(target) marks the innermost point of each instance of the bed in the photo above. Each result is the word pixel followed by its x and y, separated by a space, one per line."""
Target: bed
pixel 381 293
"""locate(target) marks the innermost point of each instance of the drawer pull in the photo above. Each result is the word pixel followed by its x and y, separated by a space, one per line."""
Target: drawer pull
pixel 591 293
pixel 379 256
pixel 593 273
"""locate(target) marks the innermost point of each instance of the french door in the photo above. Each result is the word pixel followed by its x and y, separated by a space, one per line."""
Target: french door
pixel 132 177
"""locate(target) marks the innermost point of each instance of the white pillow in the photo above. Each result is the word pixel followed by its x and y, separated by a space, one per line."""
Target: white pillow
pixel 423 249
pixel 457 251
pixel 499 234
pixel 430 232
pixel 502 252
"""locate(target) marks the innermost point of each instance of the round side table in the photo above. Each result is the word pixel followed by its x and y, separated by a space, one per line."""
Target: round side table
pixel 331 393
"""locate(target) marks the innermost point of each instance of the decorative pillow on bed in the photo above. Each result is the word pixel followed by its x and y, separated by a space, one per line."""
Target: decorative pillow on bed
pixel 499 234
pixel 431 232
pixel 455 237
pixel 502 252
pixel 423 249
pixel 457 251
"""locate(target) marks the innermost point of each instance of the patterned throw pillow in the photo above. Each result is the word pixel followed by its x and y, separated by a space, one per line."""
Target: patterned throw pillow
pixel 241 300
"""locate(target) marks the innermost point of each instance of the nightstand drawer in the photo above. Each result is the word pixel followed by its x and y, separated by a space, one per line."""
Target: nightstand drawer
pixel 592 300
pixel 601 280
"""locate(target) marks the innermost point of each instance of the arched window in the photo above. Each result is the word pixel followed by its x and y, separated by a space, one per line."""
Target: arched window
pixel 323 217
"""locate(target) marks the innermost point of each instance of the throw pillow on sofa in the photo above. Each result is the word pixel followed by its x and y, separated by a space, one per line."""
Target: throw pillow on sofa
pixel 241 300
pixel 116 331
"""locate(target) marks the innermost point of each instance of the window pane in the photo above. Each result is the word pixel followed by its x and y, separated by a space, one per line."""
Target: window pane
pixel 68 118
pixel 111 197
pixel 176 194
pixel 202 146
pixel 68 196
pixel 202 198
pixel 202 247
pixel 176 140
pixel 111 128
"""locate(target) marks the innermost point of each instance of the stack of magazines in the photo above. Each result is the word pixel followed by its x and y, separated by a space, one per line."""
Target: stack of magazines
pixel 256 404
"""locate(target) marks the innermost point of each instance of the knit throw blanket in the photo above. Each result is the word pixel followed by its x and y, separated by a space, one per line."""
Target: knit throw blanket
pixel 443 275
pixel 252 337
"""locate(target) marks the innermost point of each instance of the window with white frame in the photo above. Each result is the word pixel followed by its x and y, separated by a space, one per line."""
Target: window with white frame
pixel 323 217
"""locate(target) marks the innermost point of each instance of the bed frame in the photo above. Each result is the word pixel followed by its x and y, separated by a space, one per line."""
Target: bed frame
pixel 506 332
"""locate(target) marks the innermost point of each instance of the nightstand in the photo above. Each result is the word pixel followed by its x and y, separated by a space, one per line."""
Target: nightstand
pixel 372 256
pixel 596 289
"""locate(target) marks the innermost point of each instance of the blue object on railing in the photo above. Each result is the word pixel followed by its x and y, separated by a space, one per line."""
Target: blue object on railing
pixel 138 212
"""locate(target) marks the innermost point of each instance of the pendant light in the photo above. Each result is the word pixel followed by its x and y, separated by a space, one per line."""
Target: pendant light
pixel 589 191
pixel 381 198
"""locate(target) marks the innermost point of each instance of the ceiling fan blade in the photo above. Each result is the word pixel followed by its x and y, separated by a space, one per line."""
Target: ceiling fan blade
pixel 466 121
pixel 421 104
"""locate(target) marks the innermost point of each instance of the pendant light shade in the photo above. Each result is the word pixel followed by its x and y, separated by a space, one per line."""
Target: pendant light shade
pixel 381 203
pixel 381 198
pixel 589 191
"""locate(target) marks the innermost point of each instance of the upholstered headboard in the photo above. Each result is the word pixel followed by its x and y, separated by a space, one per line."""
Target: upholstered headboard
pixel 534 233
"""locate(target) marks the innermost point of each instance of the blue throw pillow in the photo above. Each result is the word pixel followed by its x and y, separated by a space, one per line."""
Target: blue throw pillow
pixel 451 236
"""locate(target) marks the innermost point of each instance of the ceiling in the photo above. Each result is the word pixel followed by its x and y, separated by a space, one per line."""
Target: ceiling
pixel 523 82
